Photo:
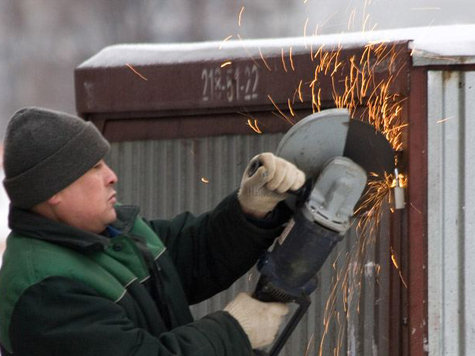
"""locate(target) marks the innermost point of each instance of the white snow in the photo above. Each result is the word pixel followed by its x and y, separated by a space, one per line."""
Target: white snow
pixel 431 45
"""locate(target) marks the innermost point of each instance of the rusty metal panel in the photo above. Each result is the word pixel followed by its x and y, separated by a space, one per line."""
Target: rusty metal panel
pixel 412 223
pixel 350 309
pixel 451 212
pixel 129 78
pixel 165 86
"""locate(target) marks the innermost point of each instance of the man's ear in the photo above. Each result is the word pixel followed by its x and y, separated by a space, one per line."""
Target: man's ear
pixel 47 208
pixel 54 200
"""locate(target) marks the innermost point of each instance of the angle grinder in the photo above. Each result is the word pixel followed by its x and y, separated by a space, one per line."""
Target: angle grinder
pixel 336 153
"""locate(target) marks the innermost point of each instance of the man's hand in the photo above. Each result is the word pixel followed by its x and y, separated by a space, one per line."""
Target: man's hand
pixel 260 321
pixel 263 190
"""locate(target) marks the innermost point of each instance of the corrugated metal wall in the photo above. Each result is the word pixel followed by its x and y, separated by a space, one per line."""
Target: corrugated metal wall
pixel 451 212
pixel 170 176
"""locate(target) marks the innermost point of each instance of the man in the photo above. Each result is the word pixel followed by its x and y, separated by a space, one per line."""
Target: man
pixel 83 275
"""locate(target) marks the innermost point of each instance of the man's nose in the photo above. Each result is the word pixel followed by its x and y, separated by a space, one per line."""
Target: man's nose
pixel 111 176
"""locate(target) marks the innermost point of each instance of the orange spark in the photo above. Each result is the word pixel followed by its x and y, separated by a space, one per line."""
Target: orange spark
pixel 300 91
pixel 365 16
pixel 315 33
pixel 291 59
pixel 319 51
pixel 280 111
pixel 351 19
pixel 290 107
pixel 135 71
pixel 310 344
pixel 283 60
pixel 305 31
pixel 226 64
pixel 240 16
pixel 412 205
pixel 204 180
pixel 336 68
pixel 446 119
pixel 254 126
pixel 393 259
pixel 264 60
pixel 402 279
pixel 224 41
pixel 396 128
pixel 402 180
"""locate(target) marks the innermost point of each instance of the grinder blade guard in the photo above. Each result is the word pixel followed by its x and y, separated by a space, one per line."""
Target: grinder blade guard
pixel 333 152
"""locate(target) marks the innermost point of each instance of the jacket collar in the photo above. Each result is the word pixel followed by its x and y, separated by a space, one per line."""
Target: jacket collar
pixel 29 224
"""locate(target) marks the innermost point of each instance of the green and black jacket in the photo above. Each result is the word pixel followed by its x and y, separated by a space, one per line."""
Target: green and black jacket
pixel 64 291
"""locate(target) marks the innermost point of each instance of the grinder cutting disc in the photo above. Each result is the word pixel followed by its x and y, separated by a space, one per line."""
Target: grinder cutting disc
pixel 313 141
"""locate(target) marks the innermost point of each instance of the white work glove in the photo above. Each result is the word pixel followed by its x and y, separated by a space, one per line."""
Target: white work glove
pixel 261 192
pixel 260 321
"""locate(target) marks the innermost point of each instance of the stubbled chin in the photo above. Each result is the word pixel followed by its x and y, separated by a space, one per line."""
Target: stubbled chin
pixel 113 216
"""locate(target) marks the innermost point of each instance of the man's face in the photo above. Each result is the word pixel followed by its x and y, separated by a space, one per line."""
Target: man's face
pixel 88 203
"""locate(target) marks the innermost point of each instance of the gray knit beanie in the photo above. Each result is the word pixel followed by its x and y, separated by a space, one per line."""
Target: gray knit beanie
pixel 45 151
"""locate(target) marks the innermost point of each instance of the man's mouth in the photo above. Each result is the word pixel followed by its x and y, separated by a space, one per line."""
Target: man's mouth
pixel 113 199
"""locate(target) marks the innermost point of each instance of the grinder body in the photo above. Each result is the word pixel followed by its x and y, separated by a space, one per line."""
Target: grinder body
pixel 290 270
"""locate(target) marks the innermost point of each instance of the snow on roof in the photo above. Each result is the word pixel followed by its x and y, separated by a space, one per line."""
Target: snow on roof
pixel 453 44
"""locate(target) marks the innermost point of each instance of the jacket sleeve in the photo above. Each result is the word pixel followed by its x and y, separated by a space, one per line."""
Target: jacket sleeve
pixel 59 316
pixel 212 250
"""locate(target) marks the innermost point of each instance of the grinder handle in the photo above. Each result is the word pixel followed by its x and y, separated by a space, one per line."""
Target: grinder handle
pixel 302 192
pixel 255 164
pixel 304 303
